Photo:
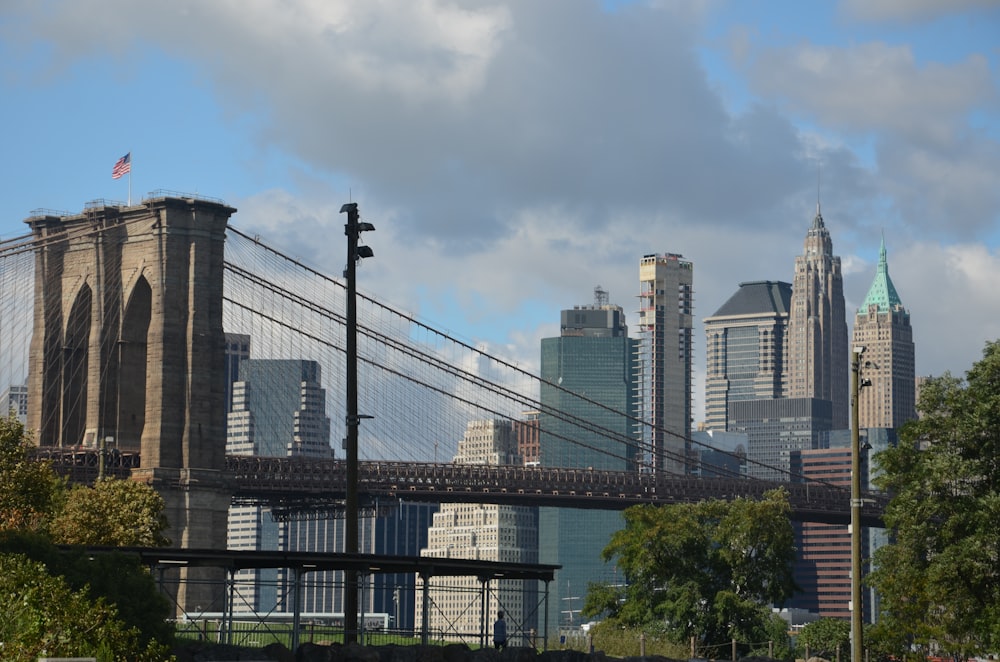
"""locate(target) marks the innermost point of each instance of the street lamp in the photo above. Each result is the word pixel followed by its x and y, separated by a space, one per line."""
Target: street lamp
pixel 353 230
pixel 857 608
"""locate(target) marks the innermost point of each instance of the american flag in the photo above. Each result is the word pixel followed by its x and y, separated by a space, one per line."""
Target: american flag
pixel 123 165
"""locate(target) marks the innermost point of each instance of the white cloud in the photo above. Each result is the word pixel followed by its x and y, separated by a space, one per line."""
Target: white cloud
pixel 909 10
pixel 946 191
pixel 951 294
pixel 932 168
pixel 461 119
pixel 874 86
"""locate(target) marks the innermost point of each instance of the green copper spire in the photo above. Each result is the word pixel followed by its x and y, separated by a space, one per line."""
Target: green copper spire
pixel 882 293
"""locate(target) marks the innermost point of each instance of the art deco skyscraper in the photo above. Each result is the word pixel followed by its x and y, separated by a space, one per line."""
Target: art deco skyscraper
pixel 817 325
pixel 666 316
pixel 882 327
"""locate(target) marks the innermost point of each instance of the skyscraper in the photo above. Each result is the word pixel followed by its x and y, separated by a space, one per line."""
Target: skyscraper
pixel 588 372
pixel 882 327
pixel 746 344
pixel 777 427
pixel 586 419
pixel 817 325
pixel 666 310
pixel 279 409
pixel 487 532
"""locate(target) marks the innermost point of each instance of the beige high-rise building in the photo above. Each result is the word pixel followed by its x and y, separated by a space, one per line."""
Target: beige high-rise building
pixel 882 327
pixel 485 532
pixel 666 319
pixel 817 325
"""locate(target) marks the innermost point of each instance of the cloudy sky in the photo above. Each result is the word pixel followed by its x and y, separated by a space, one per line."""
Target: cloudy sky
pixel 513 155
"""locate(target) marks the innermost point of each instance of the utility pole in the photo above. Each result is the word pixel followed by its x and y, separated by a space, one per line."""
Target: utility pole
pixel 353 229
pixel 857 608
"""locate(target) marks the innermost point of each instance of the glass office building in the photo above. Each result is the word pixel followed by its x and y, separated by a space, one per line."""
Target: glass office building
pixel 587 416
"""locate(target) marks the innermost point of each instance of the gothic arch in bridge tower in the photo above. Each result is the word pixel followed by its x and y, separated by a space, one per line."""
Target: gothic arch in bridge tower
pixel 75 344
pixel 131 359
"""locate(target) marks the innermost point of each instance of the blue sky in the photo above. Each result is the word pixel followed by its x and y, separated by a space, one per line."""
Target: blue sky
pixel 514 155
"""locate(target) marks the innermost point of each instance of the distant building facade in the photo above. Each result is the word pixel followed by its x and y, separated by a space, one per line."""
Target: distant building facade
pixel 746 343
pixel 720 454
pixel 279 410
pixel 822 569
pixel 400 531
pixel 776 428
pixel 488 532
pixel 882 327
pixel 588 375
pixel 237 351
pixel 664 382
pixel 818 358
pixel 14 401
pixel 528 437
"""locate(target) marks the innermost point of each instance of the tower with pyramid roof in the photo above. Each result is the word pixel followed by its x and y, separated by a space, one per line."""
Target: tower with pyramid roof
pixel 882 326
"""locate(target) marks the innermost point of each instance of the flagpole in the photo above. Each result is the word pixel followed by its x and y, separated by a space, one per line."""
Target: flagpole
pixel 129 179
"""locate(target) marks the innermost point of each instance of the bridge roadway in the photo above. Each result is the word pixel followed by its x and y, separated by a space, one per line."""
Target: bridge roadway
pixel 287 481
pixel 304 484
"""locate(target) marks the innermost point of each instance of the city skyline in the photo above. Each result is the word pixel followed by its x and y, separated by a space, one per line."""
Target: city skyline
pixel 539 149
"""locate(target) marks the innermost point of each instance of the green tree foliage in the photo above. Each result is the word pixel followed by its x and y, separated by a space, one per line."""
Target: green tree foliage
pixel 708 570
pixel 822 637
pixel 940 579
pixel 118 579
pixel 42 616
pixel 36 510
pixel 121 513
pixel 30 491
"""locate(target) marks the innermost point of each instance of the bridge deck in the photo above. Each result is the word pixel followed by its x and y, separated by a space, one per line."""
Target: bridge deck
pixel 305 483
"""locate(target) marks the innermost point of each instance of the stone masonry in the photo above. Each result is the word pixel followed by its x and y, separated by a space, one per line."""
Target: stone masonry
pixel 128 349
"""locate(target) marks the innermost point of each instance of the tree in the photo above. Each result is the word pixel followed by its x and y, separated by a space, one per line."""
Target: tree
pixel 823 637
pixel 940 578
pixel 44 617
pixel 120 513
pixel 118 579
pixel 709 570
pixel 36 509
pixel 30 491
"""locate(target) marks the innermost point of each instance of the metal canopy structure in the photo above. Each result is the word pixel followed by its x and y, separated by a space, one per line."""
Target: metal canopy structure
pixel 163 559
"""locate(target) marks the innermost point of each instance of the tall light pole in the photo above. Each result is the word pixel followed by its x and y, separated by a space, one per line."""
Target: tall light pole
pixel 352 229
pixel 857 608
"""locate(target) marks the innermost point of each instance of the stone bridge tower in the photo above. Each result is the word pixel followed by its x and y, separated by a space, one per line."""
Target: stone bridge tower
pixel 128 347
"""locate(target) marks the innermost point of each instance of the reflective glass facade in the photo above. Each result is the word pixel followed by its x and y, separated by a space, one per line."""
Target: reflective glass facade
pixel 588 399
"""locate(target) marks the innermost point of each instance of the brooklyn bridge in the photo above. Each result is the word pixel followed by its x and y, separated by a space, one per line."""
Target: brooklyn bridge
pixel 116 321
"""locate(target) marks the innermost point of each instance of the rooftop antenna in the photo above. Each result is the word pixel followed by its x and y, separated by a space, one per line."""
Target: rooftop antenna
pixel 600 296
pixel 819 174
